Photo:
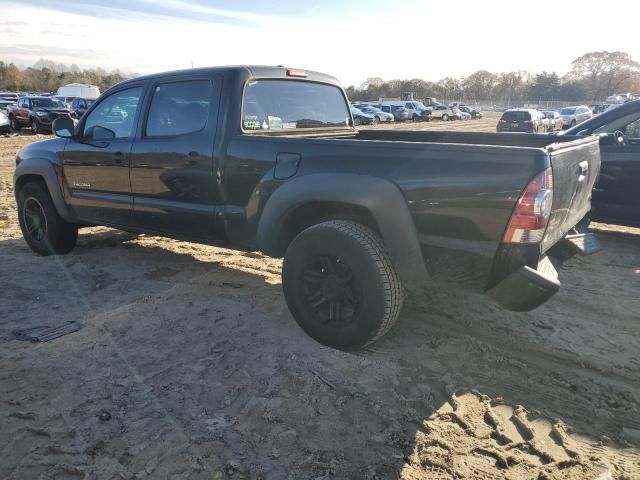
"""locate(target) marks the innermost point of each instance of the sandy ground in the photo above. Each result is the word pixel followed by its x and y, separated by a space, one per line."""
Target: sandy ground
pixel 189 366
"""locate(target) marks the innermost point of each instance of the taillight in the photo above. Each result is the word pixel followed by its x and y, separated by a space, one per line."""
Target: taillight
pixel 502 121
pixel 528 121
pixel 297 72
pixel 531 215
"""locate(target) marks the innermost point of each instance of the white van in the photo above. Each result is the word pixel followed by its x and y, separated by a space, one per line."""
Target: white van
pixel 67 93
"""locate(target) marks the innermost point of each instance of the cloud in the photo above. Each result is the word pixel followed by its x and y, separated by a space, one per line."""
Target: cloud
pixel 352 41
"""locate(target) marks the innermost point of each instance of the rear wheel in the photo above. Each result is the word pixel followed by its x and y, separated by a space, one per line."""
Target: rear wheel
pixel 340 284
pixel 356 121
pixel 376 120
pixel 445 117
pixel 573 123
pixel 43 229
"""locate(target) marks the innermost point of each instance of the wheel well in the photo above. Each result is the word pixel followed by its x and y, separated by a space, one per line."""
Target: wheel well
pixel 24 179
pixel 313 213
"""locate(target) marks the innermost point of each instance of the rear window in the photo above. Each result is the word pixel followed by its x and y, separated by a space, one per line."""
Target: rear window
pixel 293 104
pixel 516 116
pixel 567 111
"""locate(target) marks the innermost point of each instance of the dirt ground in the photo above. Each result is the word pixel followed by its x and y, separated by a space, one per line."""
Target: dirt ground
pixel 189 366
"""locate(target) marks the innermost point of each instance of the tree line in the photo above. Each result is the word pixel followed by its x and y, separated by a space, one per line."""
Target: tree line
pixel 48 76
pixel 593 76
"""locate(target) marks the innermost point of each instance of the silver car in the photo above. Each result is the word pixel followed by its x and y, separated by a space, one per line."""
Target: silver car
pixel 571 116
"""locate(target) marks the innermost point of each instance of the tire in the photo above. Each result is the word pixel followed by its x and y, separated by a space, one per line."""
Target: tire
pixel 13 123
pixel 356 122
pixel 376 120
pixel 573 123
pixel 415 118
pixel 35 126
pixel 36 208
pixel 340 284
pixel 444 117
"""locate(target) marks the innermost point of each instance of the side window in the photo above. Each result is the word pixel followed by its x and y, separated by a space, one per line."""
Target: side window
pixel 179 108
pixel 632 130
pixel 117 113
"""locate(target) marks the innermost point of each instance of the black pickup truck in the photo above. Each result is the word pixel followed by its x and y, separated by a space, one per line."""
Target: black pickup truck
pixel 267 158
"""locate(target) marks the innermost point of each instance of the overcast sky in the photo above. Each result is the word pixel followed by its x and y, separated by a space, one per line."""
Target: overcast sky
pixel 352 40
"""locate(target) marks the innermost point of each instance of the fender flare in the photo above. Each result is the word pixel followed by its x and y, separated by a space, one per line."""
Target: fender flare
pixel 381 198
pixel 46 170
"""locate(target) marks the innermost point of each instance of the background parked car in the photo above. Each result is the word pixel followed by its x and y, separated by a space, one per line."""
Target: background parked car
pixel 520 120
pixel 445 113
pixel 544 121
pixel 37 112
pixel 571 116
pixel 416 109
pixel 80 105
pixel 376 112
pixel 361 118
pixel 400 114
pixel 598 108
pixel 474 112
pixel 5 104
pixel 555 121
pixel 5 126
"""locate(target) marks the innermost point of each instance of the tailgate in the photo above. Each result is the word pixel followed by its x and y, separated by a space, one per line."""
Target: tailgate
pixel 575 166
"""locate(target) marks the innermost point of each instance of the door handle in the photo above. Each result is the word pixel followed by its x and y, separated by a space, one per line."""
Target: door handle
pixel 118 157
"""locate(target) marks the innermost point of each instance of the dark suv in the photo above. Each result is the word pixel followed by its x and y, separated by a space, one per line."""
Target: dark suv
pixel 520 120
pixel 80 105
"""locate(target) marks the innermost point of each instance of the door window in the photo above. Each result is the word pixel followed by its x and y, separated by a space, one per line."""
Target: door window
pixel 179 108
pixel 629 125
pixel 117 113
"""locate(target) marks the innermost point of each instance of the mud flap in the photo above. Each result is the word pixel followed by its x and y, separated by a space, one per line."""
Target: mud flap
pixel 526 288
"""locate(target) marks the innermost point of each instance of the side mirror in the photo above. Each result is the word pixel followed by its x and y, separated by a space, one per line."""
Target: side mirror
pixel 63 127
pixel 99 134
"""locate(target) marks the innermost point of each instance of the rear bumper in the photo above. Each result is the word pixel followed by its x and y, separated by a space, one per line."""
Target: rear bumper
pixel 527 288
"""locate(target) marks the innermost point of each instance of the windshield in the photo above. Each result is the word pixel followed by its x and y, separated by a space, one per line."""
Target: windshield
pixel 46 103
pixel 567 111
pixel 293 104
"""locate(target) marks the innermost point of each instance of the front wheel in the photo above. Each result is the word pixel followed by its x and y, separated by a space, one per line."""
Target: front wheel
pixel 35 126
pixel 356 121
pixel 13 123
pixel 43 229
pixel 340 284
pixel 445 117
pixel 376 120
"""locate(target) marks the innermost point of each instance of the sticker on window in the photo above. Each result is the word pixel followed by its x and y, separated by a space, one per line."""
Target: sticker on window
pixel 251 122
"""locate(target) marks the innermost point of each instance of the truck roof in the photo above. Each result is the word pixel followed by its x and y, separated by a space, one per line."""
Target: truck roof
pixel 251 70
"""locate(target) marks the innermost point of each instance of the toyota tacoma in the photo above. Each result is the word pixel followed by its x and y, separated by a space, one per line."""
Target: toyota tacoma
pixel 268 159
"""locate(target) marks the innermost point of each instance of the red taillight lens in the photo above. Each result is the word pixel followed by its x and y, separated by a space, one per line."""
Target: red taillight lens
pixel 529 219
pixel 502 121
